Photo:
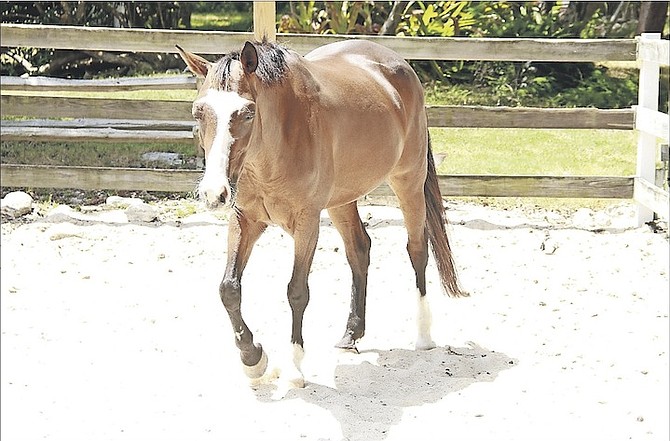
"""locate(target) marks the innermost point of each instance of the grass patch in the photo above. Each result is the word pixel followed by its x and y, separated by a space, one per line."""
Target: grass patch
pixel 535 151
pixel 468 151
pixel 92 154
pixel 140 95
pixel 185 209
pixel 221 21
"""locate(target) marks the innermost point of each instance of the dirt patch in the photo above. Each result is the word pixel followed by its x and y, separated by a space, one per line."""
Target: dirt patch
pixel 116 331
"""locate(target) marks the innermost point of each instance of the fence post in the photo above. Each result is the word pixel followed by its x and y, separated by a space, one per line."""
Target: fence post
pixel 646 143
pixel 264 21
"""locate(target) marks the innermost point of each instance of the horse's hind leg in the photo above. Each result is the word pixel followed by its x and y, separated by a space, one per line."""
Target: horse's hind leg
pixel 357 248
pixel 409 191
pixel 242 234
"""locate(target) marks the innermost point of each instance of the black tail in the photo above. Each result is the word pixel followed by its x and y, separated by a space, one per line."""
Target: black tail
pixel 437 233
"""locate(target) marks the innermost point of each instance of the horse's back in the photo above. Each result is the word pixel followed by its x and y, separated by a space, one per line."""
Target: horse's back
pixel 368 49
pixel 377 60
pixel 367 77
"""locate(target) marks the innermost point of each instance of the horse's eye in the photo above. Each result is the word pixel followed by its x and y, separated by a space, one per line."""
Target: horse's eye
pixel 249 111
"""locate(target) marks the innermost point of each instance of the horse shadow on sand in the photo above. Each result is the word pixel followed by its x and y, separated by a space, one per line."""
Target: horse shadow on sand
pixel 369 398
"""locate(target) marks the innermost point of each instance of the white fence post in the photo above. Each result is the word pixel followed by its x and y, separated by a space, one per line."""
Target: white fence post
pixel 646 142
pixel 264 20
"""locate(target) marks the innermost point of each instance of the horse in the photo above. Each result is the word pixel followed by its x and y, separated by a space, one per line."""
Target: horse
pixel 286 136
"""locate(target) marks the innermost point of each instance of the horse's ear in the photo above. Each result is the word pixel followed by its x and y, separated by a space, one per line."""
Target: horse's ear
pixel 249 58
pixel 195 63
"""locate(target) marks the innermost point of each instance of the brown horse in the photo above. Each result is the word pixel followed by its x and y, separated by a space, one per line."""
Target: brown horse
pixel 286 136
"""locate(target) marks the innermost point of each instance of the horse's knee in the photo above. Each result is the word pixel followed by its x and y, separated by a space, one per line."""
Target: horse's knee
pixel 364 243
pixel 230 291
pixel 358 253
pixel 298 295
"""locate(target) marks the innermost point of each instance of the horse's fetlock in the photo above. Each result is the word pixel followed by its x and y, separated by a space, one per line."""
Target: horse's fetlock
pixel 357 327
pixel 254 362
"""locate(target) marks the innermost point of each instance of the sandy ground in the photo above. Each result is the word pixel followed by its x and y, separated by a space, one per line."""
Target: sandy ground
pixel 116 332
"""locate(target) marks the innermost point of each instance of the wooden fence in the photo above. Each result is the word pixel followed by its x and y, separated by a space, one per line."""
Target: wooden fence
pixel 145 121
pixel 651 125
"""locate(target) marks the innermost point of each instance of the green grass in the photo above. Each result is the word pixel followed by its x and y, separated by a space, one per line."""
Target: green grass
pixel 145 95
pixel 158 94
pixel 535 151
pixel 210 21
pixel 90 154
pixel 468 151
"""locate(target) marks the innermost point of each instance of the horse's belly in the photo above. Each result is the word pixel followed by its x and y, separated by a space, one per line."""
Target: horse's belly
pixel 359 168
pixel 343 196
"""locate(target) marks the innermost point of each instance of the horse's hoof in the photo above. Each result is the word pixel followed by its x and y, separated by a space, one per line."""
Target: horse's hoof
pixel 284 386
pixel 296 382
pixel 424 344
pixel 347 344
pixel 257 370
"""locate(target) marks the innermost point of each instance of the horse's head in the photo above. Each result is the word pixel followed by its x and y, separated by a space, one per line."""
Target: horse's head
pixel 224 109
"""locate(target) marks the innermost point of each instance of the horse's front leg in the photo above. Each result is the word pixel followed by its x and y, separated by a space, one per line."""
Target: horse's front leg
pixel 305 235
pixel 242 234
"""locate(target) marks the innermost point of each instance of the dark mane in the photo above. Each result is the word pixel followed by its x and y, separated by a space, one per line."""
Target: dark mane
pixel 271 64
pixel 221 70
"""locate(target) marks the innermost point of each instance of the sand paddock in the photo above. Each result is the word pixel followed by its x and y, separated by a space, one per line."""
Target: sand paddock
pixel 116 331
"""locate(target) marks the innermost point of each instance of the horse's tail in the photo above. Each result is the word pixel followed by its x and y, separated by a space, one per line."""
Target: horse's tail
pixel 437 233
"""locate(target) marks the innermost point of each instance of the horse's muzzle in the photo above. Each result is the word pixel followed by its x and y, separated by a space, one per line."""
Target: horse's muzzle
pixel 223 198
pixel 214 199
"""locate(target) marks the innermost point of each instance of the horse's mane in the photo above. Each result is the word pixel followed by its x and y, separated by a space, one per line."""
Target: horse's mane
pixel 271 64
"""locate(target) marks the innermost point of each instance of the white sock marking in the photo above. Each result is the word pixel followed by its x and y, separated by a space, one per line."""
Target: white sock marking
pixel 423 321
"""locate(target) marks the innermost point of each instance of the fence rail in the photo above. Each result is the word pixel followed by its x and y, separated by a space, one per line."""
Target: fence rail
pixel 651 125
pixel 135 120
pixel 116 178
pixel 41 84
pixel 412 48
pixel 438 116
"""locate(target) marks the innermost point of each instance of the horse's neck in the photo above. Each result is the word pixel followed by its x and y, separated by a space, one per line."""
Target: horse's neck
pixel 283 138
pixel 285 113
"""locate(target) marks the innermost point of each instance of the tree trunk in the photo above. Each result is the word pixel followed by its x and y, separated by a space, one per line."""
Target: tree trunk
pixel 652 17
pixel 391 23
pixel 185 11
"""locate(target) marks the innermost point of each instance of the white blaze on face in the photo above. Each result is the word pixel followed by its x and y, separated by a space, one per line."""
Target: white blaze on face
pixel 216 182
